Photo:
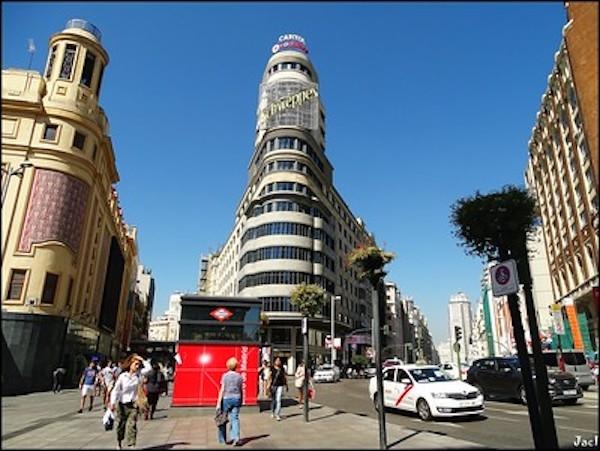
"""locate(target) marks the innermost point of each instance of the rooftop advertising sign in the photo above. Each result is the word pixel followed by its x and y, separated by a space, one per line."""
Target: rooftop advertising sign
pixel 290 42
pixel 288 102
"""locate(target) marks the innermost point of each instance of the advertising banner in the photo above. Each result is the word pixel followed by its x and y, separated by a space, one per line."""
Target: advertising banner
pixel 288 102
pixel 198 376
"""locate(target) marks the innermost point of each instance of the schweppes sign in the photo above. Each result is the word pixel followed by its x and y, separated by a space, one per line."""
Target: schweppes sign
pixel 293 101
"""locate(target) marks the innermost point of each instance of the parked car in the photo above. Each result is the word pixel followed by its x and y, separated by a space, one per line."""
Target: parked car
pixel 500 377
pixel 428 391
pixel 327 373
pixel 575 363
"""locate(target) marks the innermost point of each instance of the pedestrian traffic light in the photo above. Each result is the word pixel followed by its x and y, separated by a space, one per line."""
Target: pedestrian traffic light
pixel 457 333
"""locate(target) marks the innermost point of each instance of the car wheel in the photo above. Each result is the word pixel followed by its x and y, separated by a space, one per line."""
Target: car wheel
pixel 423 410
pixel 522 395
pixel 585 387
pixel 570 402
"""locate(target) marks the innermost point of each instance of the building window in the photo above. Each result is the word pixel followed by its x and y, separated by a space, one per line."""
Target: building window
pixel 68 60
pixel 99 81
pixel 50 132
pixel 51 61
pixel 79 140
pixel 15 287
pixel 88 69
pixel 50 286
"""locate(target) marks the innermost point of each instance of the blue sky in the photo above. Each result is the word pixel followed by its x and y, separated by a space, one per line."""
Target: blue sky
pixel 425 102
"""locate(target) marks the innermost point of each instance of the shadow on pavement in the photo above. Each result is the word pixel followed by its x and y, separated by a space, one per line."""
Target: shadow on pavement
pixel 414 434
pixel 167 445
pixel 265 404
pixel 245 440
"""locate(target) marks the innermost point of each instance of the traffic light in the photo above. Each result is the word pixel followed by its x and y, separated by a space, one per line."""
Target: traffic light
pixel 457 333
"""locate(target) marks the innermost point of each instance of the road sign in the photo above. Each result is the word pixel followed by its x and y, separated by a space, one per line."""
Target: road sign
pixel 557 319
pixel 456 346
pixel 304 325
pixel 505 279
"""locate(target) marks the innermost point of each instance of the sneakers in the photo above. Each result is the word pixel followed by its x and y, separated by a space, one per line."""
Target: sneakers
pixel 278 418
pixel 80 411
pixel 272 415
pixel 90 409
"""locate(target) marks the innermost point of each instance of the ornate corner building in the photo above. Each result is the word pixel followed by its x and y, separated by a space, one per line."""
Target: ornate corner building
pixel 563 174
pixel 69 261
pixel 292 226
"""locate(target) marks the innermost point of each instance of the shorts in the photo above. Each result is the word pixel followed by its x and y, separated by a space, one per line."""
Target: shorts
pixel 87 390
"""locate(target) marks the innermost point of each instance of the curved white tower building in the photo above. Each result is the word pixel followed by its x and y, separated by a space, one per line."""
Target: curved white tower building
pixel 292 226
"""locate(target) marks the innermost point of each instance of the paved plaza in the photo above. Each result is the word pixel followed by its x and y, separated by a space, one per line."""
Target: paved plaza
pixel 48 421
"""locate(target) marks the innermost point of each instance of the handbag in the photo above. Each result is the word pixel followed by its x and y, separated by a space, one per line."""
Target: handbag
pixel 141 401
pixel 221 418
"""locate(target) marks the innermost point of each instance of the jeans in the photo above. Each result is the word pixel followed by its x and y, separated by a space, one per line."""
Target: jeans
pixel 232 407
pixel 276 400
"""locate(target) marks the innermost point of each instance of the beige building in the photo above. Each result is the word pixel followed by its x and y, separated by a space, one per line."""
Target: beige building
pixel 563 172
pixel 292 225
pixel 68 258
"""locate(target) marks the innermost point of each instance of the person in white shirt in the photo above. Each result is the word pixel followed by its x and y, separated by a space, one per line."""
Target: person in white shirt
pixel 107 375
pixel 123 397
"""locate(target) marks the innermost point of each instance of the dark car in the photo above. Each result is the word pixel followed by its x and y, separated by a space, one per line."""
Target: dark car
pixel 500 377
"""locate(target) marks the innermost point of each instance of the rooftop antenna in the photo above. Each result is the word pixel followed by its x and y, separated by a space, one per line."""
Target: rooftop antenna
pixel 31 51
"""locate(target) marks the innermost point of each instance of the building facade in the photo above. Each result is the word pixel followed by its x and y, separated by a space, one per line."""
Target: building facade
pixel 68 258
pixel 563 173
pixel 166 327
pixel 459 314
pixel 292 226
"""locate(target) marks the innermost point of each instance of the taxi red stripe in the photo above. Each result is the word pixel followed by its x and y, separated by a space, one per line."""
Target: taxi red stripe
pixel 403 394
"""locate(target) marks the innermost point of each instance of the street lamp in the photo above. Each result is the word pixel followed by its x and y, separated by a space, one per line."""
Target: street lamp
pixel 18 171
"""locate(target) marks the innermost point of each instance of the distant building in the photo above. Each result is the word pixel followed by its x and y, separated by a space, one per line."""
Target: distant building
pixel 166 327
pixel 459 314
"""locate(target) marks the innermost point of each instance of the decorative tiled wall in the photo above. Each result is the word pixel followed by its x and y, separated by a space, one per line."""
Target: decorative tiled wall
pixel 56 210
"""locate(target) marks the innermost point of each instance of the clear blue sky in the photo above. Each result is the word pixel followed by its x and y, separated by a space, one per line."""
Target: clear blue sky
pixel 426 103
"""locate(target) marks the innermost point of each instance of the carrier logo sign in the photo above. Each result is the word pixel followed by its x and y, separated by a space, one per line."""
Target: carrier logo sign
pixel 290 42
pixel 221 314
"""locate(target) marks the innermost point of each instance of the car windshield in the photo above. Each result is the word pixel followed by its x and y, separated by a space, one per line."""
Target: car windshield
pixel 574 358
pixel 426 375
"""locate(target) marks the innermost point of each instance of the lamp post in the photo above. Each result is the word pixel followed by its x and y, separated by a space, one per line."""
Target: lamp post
pixel 18 171
pixel 334 299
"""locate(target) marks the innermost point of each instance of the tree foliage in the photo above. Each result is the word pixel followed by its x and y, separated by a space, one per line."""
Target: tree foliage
pixel 492 224
pixel 309 298
pixel 369 261
pixel 360 360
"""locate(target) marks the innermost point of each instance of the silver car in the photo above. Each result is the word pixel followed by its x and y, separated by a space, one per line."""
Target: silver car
pixel 575 363
pixel 327 373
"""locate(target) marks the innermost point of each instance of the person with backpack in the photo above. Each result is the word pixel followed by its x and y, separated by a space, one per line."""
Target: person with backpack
pixel 153 385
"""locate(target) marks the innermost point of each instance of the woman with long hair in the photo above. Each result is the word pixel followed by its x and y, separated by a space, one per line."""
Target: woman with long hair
pixel 124 397
pixel 277 382
pixel 230 400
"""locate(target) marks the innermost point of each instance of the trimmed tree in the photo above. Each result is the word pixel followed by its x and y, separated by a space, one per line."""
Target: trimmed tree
pixel 369 260
pixel 309 300
pixel 496 227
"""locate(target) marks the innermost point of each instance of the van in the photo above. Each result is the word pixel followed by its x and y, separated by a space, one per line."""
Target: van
pixel 575 363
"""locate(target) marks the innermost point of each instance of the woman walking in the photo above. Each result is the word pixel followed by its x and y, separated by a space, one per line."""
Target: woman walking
pixel 299 382
pixel 229 401
pixel 123 397
pixel 276 384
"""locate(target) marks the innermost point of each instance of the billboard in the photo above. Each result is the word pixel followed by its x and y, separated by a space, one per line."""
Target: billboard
pixel 288 102
pixel 198 376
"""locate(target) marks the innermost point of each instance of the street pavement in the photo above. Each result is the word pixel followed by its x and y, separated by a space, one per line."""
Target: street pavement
pixel 50 421
pixel 504 424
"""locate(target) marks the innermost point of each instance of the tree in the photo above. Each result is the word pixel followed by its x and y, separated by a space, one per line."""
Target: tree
pixel 497 226
pixel 309 300
pixel 369 261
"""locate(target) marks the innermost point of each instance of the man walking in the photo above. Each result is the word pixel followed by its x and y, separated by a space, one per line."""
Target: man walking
pixel 57 378
pixel 87 384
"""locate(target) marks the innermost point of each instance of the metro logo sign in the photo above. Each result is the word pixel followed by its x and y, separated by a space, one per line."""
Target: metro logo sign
pixel 221 314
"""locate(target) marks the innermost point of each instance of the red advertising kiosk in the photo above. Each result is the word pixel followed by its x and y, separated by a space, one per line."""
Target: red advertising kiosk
pixel 213 329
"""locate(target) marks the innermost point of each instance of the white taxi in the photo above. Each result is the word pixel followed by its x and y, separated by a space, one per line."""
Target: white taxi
pixel 428 391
